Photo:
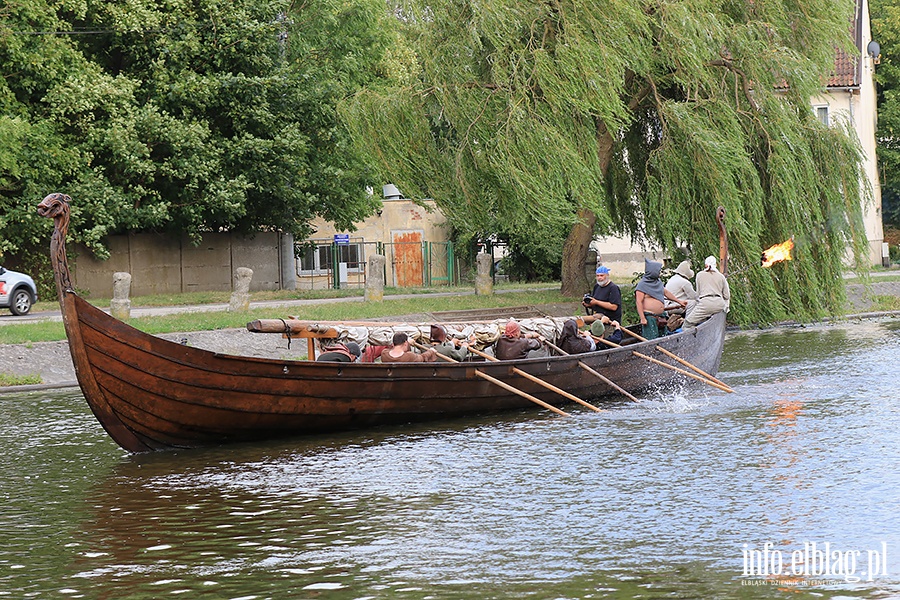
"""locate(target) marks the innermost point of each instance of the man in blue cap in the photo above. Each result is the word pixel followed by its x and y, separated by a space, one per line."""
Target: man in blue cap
pixel 606 299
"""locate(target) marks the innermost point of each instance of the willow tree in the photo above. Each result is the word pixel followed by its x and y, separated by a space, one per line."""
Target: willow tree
pixel 632 117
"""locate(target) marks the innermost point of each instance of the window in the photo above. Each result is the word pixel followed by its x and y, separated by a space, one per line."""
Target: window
pixel 822 114
pixel 317 261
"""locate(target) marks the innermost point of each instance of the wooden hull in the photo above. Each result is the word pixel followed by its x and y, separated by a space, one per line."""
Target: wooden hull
pixel 152 394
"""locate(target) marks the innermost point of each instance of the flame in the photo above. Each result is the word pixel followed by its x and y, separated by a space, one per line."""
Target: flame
pixel 778 253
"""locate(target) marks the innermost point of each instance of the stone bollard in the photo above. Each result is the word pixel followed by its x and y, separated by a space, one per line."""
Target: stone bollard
pixel 484 284
pixel 120 305
pixel 375 278
pixel 240 297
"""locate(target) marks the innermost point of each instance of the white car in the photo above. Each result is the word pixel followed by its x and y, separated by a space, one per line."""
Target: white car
pixel 17 292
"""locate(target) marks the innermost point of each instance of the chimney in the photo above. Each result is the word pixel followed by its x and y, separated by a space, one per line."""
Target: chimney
pixel 391 192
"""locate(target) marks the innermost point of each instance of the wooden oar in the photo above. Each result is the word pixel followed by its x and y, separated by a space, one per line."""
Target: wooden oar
pixel 538 381
pixel 671 367
pixel 506 386
pixel 594 372
pixel 681 360
pixel 502 384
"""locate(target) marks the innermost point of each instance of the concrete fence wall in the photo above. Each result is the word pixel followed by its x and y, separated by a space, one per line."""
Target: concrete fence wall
pixel 165 264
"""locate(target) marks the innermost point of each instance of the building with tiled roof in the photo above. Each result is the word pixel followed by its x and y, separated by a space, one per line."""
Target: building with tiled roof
pixel 850 94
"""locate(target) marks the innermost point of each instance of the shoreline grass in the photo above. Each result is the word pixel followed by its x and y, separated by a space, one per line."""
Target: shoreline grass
pixel 10 380
pixel 884 304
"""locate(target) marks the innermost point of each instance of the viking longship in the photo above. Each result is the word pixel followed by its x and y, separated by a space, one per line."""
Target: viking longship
pixel 152 394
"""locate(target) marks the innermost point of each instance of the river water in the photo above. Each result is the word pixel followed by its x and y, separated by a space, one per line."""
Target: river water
pixel 693 493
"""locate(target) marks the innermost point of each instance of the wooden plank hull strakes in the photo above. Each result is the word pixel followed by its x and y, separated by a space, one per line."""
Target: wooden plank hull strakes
pixel 152 394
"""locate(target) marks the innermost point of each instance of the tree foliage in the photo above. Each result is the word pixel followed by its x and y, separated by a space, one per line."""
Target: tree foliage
pixel 632 117
pixel 182 115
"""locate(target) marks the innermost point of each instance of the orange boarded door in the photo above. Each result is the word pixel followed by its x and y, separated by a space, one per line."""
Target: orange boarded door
pixel 408 262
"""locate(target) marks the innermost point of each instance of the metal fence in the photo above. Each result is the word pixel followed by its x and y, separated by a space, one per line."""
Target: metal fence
pixel 331 265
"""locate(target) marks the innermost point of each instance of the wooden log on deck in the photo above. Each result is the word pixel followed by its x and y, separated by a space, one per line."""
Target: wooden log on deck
pixel 279 325
pixel 294 327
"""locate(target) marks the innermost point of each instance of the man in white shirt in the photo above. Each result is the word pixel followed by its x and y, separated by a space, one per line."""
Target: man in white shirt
pixel 714 294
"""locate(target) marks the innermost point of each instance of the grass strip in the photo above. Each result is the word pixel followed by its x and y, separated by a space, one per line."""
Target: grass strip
pixel 8 380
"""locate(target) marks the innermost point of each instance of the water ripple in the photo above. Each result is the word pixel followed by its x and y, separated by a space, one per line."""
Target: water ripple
pixel 657 499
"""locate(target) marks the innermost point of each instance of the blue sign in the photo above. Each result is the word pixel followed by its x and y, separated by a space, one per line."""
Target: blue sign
pixel 342 239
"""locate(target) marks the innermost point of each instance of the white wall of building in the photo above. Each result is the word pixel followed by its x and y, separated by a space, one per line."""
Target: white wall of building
pixel 858 105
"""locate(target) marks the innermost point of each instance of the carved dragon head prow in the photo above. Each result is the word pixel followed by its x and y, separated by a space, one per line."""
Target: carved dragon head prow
pixel 56 206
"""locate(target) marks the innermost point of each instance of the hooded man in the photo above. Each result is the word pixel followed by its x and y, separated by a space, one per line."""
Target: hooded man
pixel 714 294
pixel 680 285
pixel 575 342
pixel 650 297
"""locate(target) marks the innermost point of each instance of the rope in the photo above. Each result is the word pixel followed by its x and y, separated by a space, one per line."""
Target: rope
pixel 287 332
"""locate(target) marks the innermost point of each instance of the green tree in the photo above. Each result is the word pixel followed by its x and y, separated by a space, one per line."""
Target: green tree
pixel 631 117
pixel 183 116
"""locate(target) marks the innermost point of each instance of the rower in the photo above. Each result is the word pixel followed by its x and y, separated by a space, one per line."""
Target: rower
pixel 513 345
pixel 345 353
pixel 446 347
pixel 401 352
